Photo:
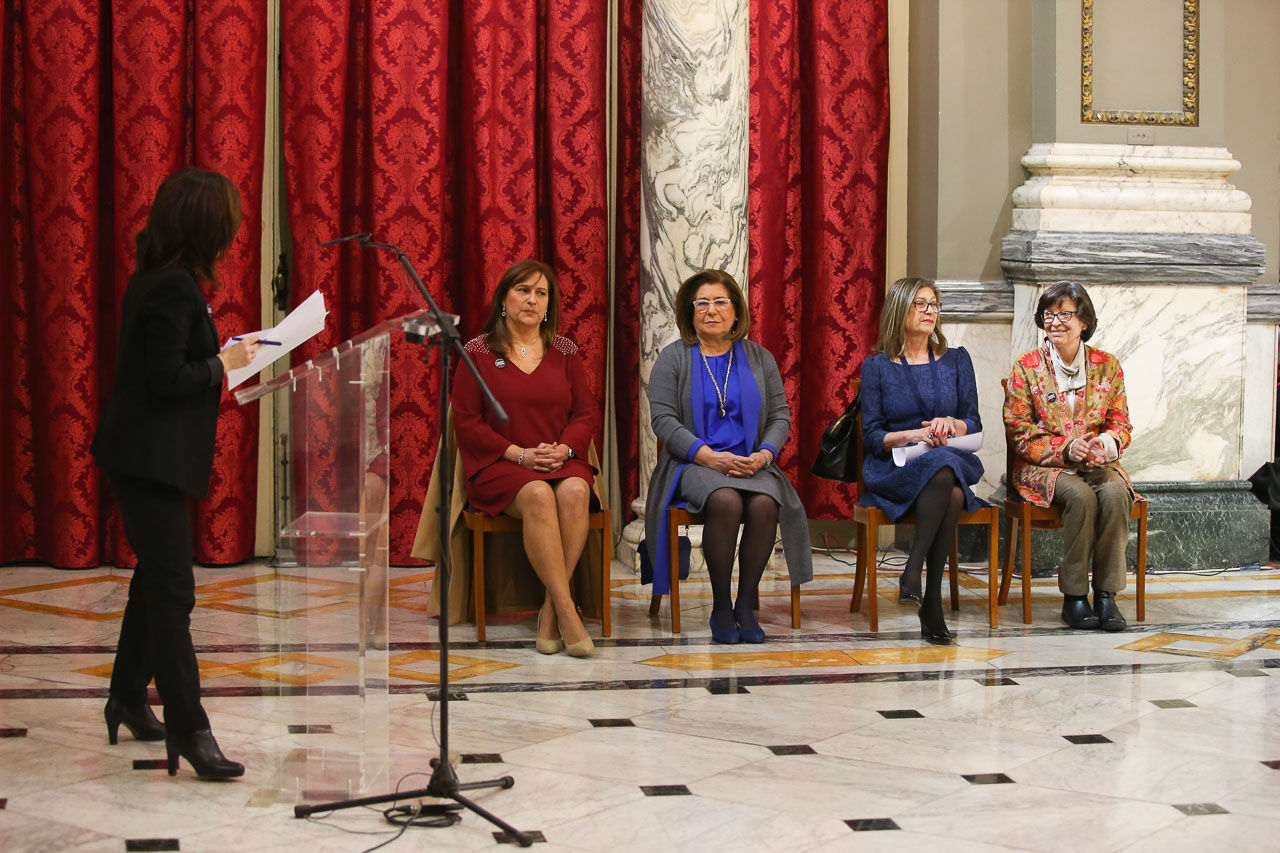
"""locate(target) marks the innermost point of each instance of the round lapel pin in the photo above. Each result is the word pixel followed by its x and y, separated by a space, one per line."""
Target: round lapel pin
pixel 500 363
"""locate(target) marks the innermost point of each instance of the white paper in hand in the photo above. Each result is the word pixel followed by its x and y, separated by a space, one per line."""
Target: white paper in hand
pixel 902 455
pixel 303 323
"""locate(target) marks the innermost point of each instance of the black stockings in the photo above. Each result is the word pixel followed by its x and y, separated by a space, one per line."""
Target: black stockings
pixel 938 511
pixel 725 510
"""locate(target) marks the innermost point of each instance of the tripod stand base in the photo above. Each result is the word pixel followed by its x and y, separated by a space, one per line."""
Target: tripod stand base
pixel 444 785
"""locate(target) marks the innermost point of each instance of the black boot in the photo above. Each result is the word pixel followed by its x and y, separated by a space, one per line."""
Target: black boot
pixel 1109 616
pixel 933 628
pixel 203 754
pixel 140 720
pixel 1077 613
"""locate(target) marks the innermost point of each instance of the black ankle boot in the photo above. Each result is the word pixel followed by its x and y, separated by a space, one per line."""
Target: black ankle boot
pixel 1109 615
pixel 933 629
pixel 1077 613
pixel 203 754
pixel 140 720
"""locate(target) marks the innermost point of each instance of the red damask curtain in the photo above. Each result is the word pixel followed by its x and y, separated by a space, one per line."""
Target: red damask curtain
pixel 470 134
pixel 100 101
pixel 818 160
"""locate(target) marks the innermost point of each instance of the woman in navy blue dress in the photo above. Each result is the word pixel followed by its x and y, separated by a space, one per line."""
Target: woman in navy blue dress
pixel 916 390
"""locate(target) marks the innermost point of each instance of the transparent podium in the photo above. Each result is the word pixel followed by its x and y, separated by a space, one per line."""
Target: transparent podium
pixel 330 584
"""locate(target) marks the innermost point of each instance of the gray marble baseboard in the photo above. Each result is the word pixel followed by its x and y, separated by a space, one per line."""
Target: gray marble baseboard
pixel 1263 303
pixel 1193 525
pixel 976 301
pixel 1038 257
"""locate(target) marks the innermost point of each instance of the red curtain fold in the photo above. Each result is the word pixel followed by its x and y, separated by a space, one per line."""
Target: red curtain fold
pixel 471 135
pixel 819 132
pixel 101 102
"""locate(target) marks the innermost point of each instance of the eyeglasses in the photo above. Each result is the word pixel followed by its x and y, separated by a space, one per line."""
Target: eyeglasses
pixel 1060 316
pixel 702 306
pixel 925 307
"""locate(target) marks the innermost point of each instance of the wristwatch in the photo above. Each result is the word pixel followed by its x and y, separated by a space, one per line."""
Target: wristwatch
pixel 572 455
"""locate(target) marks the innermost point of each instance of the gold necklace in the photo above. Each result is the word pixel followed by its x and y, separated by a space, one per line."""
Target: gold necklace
pixel 721 397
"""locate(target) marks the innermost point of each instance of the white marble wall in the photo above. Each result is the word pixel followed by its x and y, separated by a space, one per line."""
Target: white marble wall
pixel 1260 343
pixel 1183 353
pixel 694 102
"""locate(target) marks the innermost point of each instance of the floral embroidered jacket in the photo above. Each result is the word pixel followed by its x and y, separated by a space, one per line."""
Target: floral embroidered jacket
pixel 1040 424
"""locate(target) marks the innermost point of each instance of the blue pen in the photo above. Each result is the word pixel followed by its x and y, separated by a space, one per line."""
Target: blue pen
pixel 260 340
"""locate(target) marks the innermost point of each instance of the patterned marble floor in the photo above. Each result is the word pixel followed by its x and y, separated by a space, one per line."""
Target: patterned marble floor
pixel 1163 738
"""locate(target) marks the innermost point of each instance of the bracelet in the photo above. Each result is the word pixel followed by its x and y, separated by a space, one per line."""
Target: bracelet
pixel 520 458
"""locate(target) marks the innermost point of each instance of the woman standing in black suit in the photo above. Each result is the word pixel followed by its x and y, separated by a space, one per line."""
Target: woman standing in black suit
pixel 155 443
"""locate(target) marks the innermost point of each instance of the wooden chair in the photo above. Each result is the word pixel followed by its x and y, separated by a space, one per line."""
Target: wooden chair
pixel 479 524
pixel 1025 516
pixel 869 518
pixel 678 517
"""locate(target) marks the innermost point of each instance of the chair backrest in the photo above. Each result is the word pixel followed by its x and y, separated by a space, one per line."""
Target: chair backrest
pixel 859 450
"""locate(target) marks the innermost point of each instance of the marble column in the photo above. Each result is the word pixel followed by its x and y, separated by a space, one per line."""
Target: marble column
pixel 694 102
pixel 1162 241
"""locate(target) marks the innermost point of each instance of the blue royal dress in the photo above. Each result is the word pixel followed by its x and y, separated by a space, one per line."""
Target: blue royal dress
pixel 896 397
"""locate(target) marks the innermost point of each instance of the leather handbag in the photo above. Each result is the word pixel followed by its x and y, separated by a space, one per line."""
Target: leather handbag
pixel 837 459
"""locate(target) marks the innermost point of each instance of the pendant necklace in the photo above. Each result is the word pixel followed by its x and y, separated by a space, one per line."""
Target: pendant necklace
pixel 721 396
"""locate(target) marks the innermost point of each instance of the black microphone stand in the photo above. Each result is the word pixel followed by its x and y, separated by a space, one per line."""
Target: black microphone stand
pixel 444 783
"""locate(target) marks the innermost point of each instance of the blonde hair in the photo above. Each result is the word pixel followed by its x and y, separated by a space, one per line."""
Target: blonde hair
pixel 893 317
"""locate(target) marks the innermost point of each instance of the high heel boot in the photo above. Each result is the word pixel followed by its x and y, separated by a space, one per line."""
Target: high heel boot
pixel 140 720
pixel 203 754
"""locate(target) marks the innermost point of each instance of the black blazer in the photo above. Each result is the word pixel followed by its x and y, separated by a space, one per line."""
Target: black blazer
pixel 162 419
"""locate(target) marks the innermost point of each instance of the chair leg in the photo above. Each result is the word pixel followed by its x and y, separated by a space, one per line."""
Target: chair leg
pixel 855 600
pixel 606 572
pixel 953 566
pixel 1142 563
pixel 673 564
pixel 872 614
pixel 795 605
pixel 993 570
pixel 477 580
pixel 1010 557
pixel 1026 570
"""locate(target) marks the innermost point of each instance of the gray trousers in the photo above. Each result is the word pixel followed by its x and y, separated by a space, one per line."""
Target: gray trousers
pixel 1095 504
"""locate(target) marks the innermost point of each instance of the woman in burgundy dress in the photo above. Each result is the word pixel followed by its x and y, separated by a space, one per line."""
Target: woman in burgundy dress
pixel 534 468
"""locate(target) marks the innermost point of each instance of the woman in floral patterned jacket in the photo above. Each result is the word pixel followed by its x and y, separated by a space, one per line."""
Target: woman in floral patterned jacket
pixel 1068 419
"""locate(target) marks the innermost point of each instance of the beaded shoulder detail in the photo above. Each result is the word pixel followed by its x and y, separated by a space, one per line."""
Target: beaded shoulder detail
pixel 477 346
pixel 564 345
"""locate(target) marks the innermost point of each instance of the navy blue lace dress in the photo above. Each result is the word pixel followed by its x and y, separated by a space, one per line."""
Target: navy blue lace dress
pixel 943 388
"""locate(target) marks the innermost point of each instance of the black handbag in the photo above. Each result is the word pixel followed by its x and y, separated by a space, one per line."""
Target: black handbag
pixel 836 457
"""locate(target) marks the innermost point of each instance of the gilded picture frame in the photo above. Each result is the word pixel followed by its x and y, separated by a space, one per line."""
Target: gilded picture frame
pixel 1188 116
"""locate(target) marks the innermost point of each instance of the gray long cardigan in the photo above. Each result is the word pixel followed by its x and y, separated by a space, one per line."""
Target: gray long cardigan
pixel 671 409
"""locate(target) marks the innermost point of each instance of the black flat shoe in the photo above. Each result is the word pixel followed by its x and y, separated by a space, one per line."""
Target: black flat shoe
pixel 935 634
pixel 1077 613
pixel 203 754
pixel 140 720
pixel 906 594
pixel 1109 616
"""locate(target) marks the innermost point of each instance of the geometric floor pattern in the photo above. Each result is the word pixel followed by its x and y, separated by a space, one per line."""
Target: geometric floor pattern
pixel 828 737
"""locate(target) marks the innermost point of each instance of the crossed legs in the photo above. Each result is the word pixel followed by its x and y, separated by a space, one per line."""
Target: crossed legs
pixel 938 509
pixel 555 532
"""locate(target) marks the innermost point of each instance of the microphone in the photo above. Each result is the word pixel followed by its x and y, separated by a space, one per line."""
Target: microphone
pixel 346 239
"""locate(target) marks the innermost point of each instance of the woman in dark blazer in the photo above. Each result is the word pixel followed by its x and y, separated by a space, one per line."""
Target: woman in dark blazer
pixel 155 443
pixel 719 409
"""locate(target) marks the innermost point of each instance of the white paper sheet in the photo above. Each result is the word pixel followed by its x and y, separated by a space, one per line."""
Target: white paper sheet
pixel 303 323
pixel 971 443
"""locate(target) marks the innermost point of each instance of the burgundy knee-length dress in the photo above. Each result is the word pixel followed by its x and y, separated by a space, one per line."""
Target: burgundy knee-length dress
pixel 553 404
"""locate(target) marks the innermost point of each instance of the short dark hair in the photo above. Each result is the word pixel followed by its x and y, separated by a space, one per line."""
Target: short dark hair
pixel 497 336
pixel 1060 290
pixel 191 223
pixel 684 305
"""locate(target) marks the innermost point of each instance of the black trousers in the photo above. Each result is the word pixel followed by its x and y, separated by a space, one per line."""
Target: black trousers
pixel 155 634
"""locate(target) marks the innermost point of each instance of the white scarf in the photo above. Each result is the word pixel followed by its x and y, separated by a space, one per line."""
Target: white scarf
pixel 1068 377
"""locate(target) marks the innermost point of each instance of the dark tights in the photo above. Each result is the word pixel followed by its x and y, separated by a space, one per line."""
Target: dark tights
pixel 937 510
pixel 724 511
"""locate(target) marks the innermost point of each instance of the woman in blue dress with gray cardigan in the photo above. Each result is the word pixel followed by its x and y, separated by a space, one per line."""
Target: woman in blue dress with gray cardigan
pixel 917 391
pixel 719 409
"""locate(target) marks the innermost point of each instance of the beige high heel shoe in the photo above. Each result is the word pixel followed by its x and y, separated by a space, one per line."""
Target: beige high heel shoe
pixel 583 647
pixel 547 647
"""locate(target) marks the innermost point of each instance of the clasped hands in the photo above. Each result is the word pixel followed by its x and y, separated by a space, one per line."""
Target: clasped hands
pixel 933 433
pixel 545 457
pixel 733 465
pixel 1088 450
